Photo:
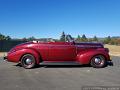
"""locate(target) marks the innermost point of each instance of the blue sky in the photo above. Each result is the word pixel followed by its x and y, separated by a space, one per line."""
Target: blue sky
pixel 48 18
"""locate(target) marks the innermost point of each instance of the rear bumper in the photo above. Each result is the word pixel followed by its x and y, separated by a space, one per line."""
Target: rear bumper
pixel 5 58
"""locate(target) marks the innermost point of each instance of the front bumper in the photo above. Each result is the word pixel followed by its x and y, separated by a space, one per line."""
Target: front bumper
pixel 110 63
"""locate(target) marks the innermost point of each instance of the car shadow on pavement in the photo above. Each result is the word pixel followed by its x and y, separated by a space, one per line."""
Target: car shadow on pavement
pixel 110 63
pixel 57 66
pixel 64 66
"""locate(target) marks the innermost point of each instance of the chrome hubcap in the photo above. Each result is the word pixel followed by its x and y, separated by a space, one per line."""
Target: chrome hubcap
pixel 97 60
pixel 28 61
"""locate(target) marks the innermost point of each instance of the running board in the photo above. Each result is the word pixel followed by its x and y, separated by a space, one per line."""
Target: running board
pixel 59 63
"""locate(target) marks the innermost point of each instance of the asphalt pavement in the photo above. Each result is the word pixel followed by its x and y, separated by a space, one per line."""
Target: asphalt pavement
pixel 14 77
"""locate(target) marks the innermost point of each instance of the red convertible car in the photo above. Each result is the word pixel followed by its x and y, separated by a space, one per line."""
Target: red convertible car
pixel 33 53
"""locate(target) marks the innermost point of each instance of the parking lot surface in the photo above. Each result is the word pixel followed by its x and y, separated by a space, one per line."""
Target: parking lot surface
pixel 13 77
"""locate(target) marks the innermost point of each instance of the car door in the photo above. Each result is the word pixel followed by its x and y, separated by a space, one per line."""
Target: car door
pixel 43 49
pixel 62 52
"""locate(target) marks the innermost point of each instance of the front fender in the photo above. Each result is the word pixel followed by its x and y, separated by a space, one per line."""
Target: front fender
pixel 16 56
pixel 84 58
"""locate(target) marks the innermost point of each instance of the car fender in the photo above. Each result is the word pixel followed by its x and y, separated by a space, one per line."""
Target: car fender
pixel 32 52
pixel 17 55
pixel 85 57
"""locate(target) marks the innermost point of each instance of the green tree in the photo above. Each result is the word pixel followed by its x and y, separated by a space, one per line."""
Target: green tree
pixel 78 38
pixel 108 40
pixel 95 38
pixel 90 39
pixel 3 37
pixel 24 39
pixel 84 38
pixel 62 37
pixel 8 38
pixel 31 38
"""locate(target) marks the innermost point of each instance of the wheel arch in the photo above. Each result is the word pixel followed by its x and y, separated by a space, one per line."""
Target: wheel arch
pixel 34 53
pixel 100 63
pixel 97 55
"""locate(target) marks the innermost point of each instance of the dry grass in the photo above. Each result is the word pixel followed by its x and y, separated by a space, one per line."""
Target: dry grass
pixel 114 50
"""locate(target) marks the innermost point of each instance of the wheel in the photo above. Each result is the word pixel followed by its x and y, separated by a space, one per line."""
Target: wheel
pixel 98 61
pixel 28 61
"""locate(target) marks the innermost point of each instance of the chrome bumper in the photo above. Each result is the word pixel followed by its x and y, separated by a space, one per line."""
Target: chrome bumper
pixel 110 63
pixel 5 57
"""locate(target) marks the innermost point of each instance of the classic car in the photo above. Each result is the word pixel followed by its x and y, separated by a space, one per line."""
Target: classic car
pixel 34 53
